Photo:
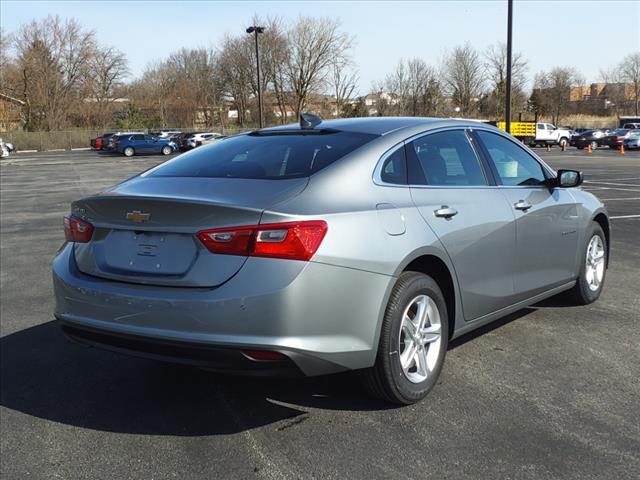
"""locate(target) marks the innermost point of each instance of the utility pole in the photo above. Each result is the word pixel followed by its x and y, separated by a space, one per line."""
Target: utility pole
pixel 257 30
pixel 507 110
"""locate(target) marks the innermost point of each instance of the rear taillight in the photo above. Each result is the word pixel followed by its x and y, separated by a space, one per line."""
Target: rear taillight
pixel 290 240
pixel 76 230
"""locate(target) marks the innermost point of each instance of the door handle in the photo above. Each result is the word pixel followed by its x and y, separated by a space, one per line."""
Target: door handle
pixel 445 212
pixel 522 205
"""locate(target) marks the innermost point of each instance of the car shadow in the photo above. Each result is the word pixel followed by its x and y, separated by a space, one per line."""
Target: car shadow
pixel 494 325
pixel 45 375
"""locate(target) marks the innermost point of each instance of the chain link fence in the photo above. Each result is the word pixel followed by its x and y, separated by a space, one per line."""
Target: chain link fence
pixel 67 140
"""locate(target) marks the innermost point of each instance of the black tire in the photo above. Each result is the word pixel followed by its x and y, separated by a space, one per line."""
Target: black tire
pixel 563 142
pixel 579 148
pixel 386 379
pixel 166 150
pixel 129 152
pixel 581 293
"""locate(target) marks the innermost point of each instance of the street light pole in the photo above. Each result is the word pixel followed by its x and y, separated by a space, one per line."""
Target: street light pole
pixel 257 30
pixel 507 112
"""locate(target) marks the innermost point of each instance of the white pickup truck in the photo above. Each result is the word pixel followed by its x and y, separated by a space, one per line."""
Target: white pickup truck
pixel 533 134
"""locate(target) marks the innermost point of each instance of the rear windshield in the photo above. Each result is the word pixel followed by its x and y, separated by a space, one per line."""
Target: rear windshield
pixel 265 156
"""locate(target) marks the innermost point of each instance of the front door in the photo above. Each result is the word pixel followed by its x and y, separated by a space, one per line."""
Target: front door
pixel 455 196
pixel 546 218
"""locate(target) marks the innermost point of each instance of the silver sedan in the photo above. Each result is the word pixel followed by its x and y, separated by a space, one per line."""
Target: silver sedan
pixel 360 244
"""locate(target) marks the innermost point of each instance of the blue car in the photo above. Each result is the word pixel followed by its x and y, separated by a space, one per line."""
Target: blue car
pixel 129 145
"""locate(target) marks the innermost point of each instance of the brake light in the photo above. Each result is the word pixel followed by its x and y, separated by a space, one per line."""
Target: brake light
pixel 77 230
pixel 290 240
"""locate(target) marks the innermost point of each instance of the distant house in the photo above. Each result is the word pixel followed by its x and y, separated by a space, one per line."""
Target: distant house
pixel 10 113
pixel 372 100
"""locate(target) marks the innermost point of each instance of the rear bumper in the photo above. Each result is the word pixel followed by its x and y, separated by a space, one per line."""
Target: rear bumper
pixel 324 318
pixel 188 353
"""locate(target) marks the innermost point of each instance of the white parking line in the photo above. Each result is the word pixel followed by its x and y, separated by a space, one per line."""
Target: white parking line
pixel 614 199
pixel 624 216
pixel 611 179
pixel 611 183
pixel 612 188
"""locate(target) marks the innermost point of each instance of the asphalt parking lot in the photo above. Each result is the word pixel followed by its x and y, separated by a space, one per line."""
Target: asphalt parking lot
pixel 550 392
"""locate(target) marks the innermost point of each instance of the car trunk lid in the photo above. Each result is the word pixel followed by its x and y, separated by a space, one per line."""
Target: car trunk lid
pixel 145 228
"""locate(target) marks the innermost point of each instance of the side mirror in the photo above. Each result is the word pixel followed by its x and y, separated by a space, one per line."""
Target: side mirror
pixel 569 178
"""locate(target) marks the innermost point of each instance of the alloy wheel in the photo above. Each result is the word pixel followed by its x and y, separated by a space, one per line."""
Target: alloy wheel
pixel 594 271
pixel 420 338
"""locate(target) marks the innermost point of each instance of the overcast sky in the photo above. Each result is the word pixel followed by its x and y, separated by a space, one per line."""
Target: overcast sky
pixel 587 35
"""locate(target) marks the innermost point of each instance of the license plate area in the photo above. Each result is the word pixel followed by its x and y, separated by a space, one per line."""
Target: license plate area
pixel 149 253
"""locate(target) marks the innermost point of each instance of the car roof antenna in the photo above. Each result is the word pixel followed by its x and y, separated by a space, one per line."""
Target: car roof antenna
pixel 309 120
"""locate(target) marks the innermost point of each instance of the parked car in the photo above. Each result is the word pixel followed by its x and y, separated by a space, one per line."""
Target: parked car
pixel 632 126
pixel 9 146
pixel 139 143
pixel 632 142
pixel 4 150
pixel 575 133
pixel 113 139
pixel 197 139
pixel 615 138
pixel 357 244
pixel 165 133
pixel 215 138
pixel 100 142
pixel 590 137
pixel 180 138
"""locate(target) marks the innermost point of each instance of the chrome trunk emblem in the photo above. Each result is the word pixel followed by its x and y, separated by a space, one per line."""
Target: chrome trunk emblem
pixel 138 216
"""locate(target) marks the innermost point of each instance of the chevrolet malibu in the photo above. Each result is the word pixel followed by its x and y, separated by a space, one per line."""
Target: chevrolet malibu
pixel 360 244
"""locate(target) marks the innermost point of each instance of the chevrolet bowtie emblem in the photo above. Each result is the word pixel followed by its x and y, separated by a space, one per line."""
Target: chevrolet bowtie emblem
pixel 138 216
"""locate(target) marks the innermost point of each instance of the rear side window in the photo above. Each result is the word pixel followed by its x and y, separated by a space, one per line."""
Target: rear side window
pixel 394 168
pixel 445 159
pixel 514 165
pixel 136 137
pixel 265 156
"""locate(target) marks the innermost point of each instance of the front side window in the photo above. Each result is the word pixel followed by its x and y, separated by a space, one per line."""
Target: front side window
pixel 515 167
pixel 445 159
pixel 265 155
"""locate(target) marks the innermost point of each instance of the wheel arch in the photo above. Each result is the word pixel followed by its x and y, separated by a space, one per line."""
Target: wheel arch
pixel 438 269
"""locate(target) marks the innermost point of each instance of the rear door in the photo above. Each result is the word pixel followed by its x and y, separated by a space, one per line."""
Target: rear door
pixel 150 144
pixel 458 200
pixel 546 218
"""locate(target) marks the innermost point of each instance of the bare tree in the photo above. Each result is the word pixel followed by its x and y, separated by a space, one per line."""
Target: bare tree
pixel 343 81
pixel 53 56
pixel 235 70
pixel 314 45
pixel 106 71
pixel 553 90
pixel 630 72
pixel 463 75
pixel 495 64
pixel 415 88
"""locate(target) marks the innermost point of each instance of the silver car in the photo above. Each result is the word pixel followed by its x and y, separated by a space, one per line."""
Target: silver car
pixel 360 244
